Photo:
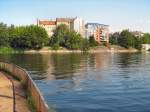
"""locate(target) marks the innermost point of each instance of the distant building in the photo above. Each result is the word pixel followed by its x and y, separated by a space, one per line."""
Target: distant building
pixel 49 26
pixel 76 24
pixel 146 47
pixel 79 26
pixel 137 33
pixel 99 31
pixel 67 21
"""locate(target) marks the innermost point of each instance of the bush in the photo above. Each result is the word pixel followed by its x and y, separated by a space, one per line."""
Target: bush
pixel 68 39
pixel 55 47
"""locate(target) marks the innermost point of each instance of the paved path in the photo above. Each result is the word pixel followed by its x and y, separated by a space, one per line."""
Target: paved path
pixel 6 94
pixel 7 103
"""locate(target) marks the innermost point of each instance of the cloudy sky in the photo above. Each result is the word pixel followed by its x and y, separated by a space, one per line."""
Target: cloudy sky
pixel 119 14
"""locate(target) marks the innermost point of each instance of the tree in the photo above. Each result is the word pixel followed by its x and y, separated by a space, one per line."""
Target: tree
pixel 4 37
pixel 59 34
pixel 66 38
pixel 126 39
pixel 114 38
pixel 29 37
pixel 92 42
pixel 146 38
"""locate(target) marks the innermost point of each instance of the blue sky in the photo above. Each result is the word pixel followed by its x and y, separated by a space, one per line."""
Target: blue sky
pixel 119 14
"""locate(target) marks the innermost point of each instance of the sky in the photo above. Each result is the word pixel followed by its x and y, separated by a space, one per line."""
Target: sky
pixel 118 14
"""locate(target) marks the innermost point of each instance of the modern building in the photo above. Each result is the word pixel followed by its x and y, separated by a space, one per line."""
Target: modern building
pixel 76 24
pixel 99 31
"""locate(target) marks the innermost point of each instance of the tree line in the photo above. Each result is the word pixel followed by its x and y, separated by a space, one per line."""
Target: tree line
pixel 23 37
pixel 127 39
pixel 35 37
pixel 64 37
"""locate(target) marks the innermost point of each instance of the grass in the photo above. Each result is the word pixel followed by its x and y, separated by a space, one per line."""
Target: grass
pixel 31 103
pixel 9 50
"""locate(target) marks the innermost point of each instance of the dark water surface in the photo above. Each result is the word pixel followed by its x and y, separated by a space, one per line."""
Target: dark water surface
pixel 101 82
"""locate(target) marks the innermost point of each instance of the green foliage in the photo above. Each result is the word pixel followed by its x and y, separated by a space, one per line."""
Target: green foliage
pixel 85 45
pixel 69 39
pixel 59 34
pixel 126 39
pixel 113 39
pixel 146 38
pixel 72 40
pixel 55 46
pixel 31 103
pixel 4 37
pixel 24 37
pixel 6 50
pixel 92 42
pixel 29 37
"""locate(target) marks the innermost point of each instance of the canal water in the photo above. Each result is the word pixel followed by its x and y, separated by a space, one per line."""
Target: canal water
pixel 102 82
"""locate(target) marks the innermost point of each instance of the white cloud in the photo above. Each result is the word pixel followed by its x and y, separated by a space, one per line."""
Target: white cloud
pixel 149 21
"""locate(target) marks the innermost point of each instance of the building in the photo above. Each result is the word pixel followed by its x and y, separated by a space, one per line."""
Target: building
pixel 79 26
pixel 138 34
pixel 67 21
pixel 100 32
pixel 76 24
pixel 146 47
pixel 49 26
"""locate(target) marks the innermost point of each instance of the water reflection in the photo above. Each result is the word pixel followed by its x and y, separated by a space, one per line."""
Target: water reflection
pixel 90 82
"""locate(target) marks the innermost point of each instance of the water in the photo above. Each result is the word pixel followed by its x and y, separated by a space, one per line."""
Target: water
pixel 103 82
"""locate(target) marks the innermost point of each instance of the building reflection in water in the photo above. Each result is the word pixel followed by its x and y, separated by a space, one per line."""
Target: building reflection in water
pixel 76 67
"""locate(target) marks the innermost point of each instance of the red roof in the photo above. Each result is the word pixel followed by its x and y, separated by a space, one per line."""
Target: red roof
pixel 64 19
pixel 47 22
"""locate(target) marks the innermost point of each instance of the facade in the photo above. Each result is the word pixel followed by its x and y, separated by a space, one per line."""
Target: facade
pixel 79 26
pixel 138 34
pixel 49 26
pixel 76 24
pixel 67 21
pixel 99 31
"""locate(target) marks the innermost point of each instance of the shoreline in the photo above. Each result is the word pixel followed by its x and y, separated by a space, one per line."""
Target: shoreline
pixel 79 51
pixel 100 49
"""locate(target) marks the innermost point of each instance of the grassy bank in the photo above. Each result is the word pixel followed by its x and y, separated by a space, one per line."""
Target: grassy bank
pixel 9 50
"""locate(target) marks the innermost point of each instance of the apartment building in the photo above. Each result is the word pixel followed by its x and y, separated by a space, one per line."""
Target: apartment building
pixel 49 26
pixel 99 31
pixel 76 24
pixel 79 26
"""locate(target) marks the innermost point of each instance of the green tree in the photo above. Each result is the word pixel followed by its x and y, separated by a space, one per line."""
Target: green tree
pixel 72 40
pixel 92 42
pixel 29 37
pixel 146 38
pixel 4 37
pixel 58 37
pixel 113 39
pixel 126 39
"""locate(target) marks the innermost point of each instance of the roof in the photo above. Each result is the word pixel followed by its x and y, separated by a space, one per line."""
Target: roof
pixel 47 22
pixel 97 24
pixel 64 19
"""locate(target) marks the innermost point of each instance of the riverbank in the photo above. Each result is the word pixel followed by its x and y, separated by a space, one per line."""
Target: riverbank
pixel 99 49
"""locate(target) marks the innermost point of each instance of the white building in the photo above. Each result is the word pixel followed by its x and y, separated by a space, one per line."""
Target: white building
pixel 76 24
pixel 79 26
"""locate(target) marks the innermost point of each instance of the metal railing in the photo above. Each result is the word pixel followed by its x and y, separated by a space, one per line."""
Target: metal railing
pixel 26 80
